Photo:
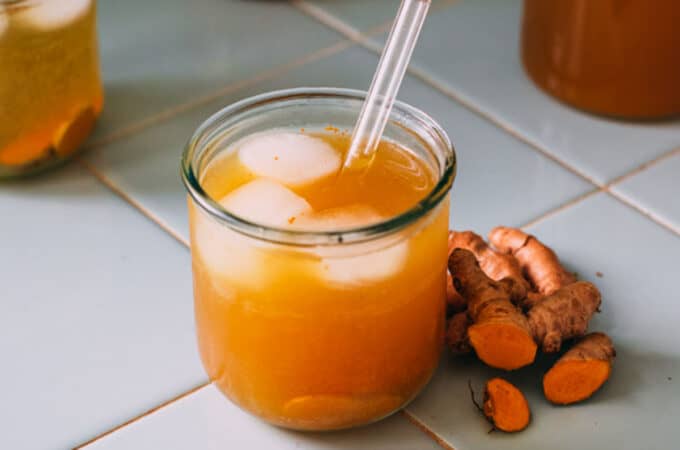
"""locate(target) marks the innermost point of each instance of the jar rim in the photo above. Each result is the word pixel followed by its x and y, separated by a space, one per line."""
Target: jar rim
pixel 294 237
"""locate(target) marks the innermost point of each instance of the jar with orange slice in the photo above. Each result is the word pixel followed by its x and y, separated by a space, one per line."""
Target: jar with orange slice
pixel 50 84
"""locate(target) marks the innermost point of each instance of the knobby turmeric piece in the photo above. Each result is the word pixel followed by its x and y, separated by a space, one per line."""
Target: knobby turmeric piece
pixel 454 301
pixel 537 260
pixel 494 264
pixel 456 334
pixel 563 315
pixel 581 371
pixel 500 333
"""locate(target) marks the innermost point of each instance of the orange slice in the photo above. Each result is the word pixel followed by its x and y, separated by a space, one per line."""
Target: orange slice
pixel 71 134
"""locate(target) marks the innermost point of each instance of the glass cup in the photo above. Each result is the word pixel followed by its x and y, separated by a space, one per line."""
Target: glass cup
pixel 50 86
pixel 619 58
pixel 276 334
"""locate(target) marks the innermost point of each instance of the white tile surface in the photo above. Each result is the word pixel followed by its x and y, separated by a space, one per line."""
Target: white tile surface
pixel 639 263
pixel 206 420
pixel 96 312
pixel 360 14
pixel 472 47
pixel 157 55
pixel 499 179
pixel 656 191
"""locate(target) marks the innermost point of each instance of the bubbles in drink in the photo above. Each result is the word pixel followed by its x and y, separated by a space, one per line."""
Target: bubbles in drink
pixel 293 159
pixel 49 15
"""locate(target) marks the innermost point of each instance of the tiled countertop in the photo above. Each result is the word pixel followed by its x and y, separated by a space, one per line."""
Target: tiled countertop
pixel 95 300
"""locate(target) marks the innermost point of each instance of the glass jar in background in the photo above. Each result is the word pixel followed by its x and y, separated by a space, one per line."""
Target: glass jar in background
pixel 617 58
pixel 50 85
pixel 322 328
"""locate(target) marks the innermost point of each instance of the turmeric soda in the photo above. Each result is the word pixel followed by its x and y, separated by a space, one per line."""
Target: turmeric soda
pixel 311 339
pixel 50 87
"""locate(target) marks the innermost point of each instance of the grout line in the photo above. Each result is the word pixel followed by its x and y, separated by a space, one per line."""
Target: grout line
pixel 134 203
pixel 141 416
pixel 133 128
pixel 564 206
pixel 600 187
pixel 648 214
pixel 425 429
pixel 427 79
pixel 644 166
pixel 328 19
pixel 347 30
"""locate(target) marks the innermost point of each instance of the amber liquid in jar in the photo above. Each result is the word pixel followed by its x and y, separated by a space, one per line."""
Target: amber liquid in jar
pixel 319 340
pixel 50 87
pixel 618 58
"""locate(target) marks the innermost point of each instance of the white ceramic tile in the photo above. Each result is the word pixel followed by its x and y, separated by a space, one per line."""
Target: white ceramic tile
pixel 156 55
pixel 96 312
pixel 206 420
pixel 360 14
pixel 472 48
pixel 639 406
pixel 656 190
pixel 499 178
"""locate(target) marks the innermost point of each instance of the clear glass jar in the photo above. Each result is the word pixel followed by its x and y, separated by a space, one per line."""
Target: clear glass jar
pixel 50 85
pixel 618 58
pixel 274 334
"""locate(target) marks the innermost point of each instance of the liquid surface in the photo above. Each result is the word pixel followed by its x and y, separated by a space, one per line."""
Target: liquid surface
pixel 329 337
pixel 50 88
pixel 394 183
pixel 613 57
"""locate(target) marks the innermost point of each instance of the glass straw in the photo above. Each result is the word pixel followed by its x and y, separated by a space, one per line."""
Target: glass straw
pixel 376 109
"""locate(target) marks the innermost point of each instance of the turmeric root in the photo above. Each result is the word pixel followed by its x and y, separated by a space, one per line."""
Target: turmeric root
pixel 538 261
pixel 563 315
pixel 494 264
pixel 505 406
pixel 456 334
pixel 454 301
pixel 500 333
pixel 581 371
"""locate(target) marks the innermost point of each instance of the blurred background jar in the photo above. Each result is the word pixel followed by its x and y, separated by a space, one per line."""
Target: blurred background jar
pixel 618 58
pixel 50 84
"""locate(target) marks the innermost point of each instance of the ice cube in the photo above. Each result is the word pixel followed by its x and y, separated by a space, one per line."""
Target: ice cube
pixel 293 159
pixel 266 202
pixel 226 255
pixel 235 257
pixel 50 14
pixel 355 264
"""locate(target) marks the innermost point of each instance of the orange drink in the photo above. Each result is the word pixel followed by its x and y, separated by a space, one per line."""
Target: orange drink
pixel 319 296
pixel 50 88
pixel 612 57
